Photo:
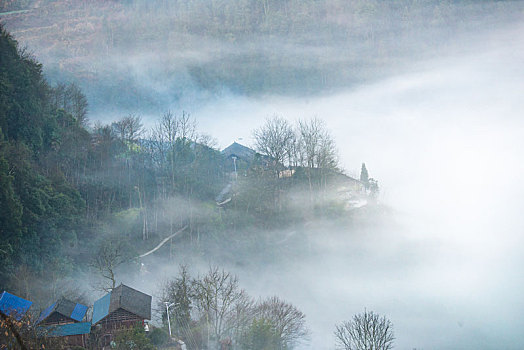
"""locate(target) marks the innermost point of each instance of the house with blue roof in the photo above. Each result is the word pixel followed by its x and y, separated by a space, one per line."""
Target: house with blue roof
pixel 122 308
pixel 62 312
pixel 64 319
pixel 13 306
pixel 73 334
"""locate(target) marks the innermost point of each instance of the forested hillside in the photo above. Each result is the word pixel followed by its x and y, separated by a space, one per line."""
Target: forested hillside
pixel 146 55
pixel 219 160
pixel 70 189
pixel 40 145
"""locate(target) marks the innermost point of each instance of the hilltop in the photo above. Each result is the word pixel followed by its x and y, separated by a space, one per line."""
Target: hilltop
pixel 146 56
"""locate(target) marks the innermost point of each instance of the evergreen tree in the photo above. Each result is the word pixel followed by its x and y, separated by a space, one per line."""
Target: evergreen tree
pixel 364 176
pixel 10 214
pixel 261 335
pixel 38 206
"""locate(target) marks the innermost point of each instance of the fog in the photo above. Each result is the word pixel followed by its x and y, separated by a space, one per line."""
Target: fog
pixel 440 129
pixel 444 141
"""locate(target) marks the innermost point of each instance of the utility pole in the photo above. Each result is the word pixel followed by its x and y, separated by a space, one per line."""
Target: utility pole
pixel 168 305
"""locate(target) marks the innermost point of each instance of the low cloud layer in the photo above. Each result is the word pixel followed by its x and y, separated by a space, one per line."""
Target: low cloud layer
pixel 441 132
pixel 444 142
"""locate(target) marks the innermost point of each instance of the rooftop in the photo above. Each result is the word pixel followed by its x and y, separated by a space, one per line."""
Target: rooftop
pixel 122 297
pixel 64 330
pixel 14 306
pixel 240 151
pixel 66 308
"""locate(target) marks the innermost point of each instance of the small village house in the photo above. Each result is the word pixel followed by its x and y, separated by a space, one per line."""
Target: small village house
pixel 122 308
pixel 62 312
pixel 64 319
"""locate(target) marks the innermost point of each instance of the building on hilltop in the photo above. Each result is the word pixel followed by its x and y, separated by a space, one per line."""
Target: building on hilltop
pixel 238 159
pixel 240 152
pixel 122 308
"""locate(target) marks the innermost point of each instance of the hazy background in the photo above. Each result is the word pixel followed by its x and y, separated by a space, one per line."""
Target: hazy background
pixel 428 94
pixel 445 142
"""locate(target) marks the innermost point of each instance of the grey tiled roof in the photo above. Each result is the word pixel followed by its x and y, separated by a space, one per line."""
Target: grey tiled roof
pixel 130 300
pixel 240 151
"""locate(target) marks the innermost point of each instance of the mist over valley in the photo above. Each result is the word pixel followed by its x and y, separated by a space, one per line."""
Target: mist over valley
pixel 128 134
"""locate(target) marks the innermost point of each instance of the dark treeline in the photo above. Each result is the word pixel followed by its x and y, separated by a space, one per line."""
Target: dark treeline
pixel 40 207
pixel 144 55
pixel 69 190
pixel 61 180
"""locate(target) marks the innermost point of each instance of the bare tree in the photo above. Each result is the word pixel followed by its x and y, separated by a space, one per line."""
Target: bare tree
pixel 241 316
pixel 289 322
pixel 366 331
pixel 129 128
pixel 71 99
pixel 316 153
pixel 168 135
pixel 274 139
pixel 173 127
pixel 217 297
pixel 109 257
pixel 207 140
pixel 163 136
pixel 187 126
pixel 167 129
pixel 316 145
pixel 78 105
